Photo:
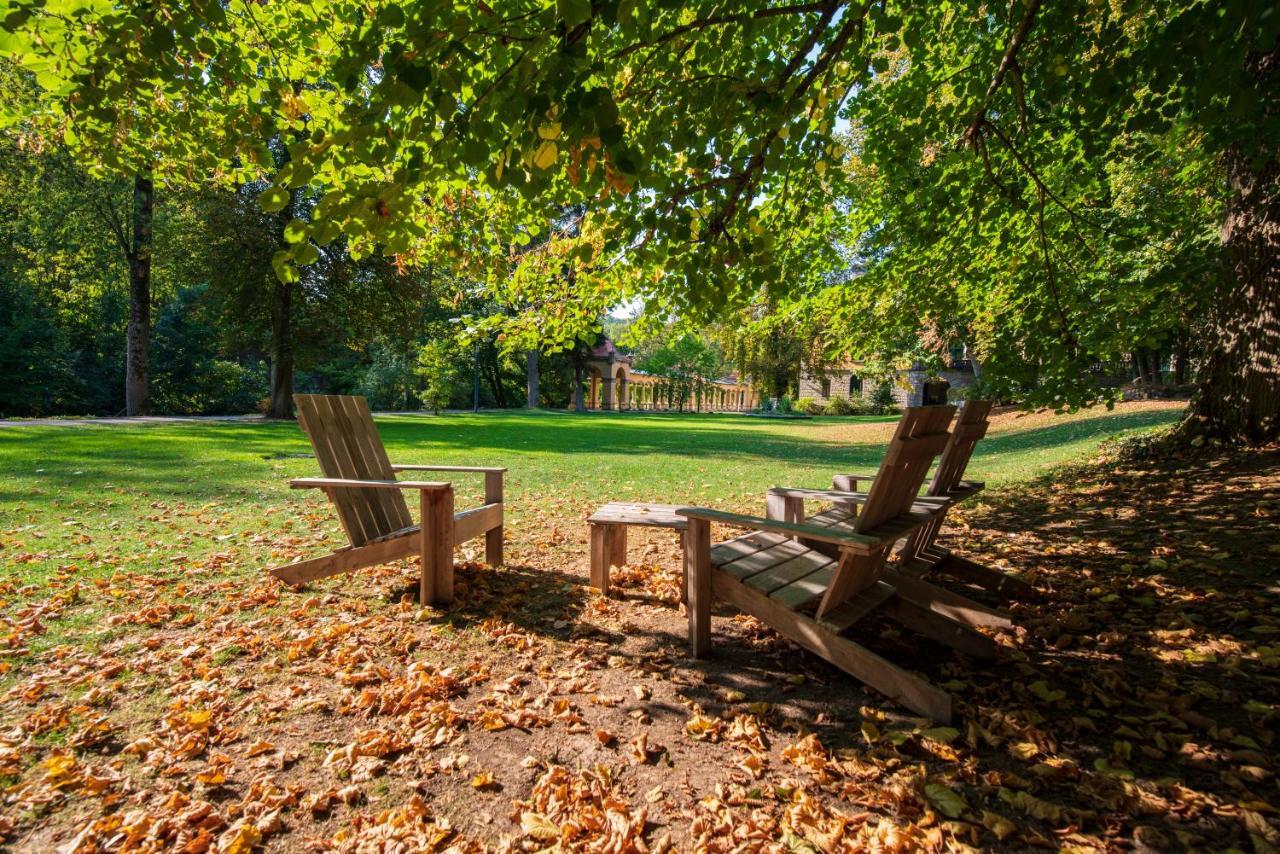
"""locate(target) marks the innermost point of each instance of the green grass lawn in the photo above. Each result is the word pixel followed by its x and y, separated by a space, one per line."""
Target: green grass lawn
pixel 102 498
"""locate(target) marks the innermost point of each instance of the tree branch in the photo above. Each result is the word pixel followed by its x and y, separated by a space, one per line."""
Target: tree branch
pixel 722 20
pixel 1007 62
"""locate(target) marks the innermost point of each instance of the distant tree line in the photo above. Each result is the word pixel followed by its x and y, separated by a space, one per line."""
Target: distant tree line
pixel 223 333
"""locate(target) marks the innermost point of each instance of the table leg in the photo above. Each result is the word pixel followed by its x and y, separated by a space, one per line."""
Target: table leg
pixel 617 545
pixel 684 572
pixel 600 557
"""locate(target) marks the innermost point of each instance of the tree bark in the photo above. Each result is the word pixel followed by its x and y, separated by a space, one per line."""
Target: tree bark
pixel 1139 368
pixel 1239 393
pixel 531 377
pixel 579 404
pixel 137 379
pixel 281 405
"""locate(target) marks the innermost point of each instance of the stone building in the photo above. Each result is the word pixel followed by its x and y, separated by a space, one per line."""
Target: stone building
pixel 908 386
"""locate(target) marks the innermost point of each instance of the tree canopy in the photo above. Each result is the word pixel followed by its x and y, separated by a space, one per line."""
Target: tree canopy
pixel 1034 174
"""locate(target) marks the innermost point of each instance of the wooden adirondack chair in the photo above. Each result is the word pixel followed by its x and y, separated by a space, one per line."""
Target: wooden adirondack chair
pixel 812 598
pixel 919 554
pixel 360 481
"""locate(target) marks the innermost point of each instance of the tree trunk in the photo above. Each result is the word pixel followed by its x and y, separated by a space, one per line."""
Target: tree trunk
pixel 531 377
pixel 1139 367
pixel 579 405
pixel 1180 357
pixel 1239 393
pixel 281 405
pixel 137 380
pixel 1153 367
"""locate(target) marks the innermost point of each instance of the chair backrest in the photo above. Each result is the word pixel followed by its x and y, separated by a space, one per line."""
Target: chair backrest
pixel 971 425
pixel 920 437
pixel 347 446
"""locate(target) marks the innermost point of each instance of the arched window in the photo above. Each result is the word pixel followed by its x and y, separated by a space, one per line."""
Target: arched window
pixel 855 386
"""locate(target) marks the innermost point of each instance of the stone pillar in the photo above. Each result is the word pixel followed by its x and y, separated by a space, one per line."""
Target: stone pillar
pixel 606 396
pixel 915 382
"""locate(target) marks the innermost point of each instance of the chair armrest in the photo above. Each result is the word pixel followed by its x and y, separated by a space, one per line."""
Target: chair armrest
pixel 859 542
pixel 345 483
pixel 819 494
pixel 481 469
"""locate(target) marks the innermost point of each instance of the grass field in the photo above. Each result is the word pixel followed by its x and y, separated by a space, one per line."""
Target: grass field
pixel 121 494
pixel 155 682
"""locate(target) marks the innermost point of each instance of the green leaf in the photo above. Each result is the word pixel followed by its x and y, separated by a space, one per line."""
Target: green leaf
pixel 306 254
pixel 295 231
pixel 574 12
pixel 946 801
pixel 274 199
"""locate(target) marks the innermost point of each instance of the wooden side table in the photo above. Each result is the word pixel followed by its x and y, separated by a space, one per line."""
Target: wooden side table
pixel 609 535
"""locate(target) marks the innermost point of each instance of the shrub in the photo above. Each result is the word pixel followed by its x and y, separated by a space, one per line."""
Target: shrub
pixel 841 405
pixel 784 406
pixel 438 370
pixel 882 400
pixel 809 406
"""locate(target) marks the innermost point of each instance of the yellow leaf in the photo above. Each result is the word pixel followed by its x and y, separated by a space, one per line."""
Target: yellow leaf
pixel 539 826
pixel 998 824
pixel 551 130
pixel 942 734
pixel 870 732
pixel 1024 750
pixel 483 780
pixel 260 747
pixel 545 155
pixel 212 777
pixel 58 767
pixel 199 719
pixel 240 839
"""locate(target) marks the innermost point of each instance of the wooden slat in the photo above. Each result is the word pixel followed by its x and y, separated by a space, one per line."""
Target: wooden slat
pixel 858 606
pixel 348 483
pixel 350 559
pixel 858 542
pixel 731 550
pixel 472 523
pixel 789 571
pixel 365 442
pixel 802 591
pixel 476 469
pixel 653 515
pixel 349 456
pixel 763 559
pixel 315 417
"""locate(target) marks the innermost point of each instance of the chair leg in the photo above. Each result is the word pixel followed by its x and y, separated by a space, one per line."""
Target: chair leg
pixel 493 537
pixel 436 584
pixel 698 559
